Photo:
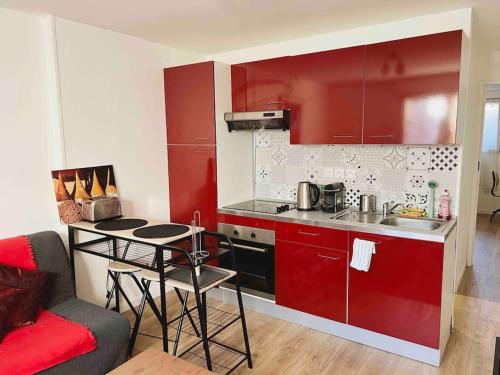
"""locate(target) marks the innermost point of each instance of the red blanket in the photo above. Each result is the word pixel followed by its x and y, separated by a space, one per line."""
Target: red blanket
pixel 51 340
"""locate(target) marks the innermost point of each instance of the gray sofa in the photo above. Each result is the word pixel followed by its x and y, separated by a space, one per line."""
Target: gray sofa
pixel 110 328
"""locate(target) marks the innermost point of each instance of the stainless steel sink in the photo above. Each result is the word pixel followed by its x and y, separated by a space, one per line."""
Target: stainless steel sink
pixel 403 222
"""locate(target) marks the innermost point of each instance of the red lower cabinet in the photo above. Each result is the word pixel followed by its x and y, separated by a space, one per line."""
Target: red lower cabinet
pixel 311 279
pixel 400 295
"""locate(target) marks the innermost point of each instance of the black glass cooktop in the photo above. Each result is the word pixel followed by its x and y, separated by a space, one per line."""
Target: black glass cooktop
pixel 267 207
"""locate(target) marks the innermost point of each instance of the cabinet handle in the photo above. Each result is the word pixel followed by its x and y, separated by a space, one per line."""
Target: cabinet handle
pixel 342 136
pixel 308 234
pixel 327 257
pixel 201 138
pixel 202 151
pixel 382 136
pixel 272 103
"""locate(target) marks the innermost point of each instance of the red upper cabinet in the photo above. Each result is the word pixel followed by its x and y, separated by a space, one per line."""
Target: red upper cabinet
pixel 192 184
pixel 400 295
pixel 411 90
pixel 327 97
pixel 189 102
pixel 261 85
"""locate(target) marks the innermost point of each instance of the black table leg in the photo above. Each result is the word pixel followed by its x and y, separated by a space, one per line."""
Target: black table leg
pixel 71 240
pixel 163 297
pixel 117 278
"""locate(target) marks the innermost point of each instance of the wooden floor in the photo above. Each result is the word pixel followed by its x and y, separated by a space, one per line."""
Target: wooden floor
pixel 280 347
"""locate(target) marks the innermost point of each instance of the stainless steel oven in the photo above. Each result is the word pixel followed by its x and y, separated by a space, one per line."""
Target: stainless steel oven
pixel 254 250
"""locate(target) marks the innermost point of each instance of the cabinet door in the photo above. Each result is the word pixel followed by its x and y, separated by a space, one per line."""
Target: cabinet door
pixel 411 90
pixel 327 97
pixel 400 295
pixel 189 104
pixel 262 85
pixel 311 279
pixel 192 183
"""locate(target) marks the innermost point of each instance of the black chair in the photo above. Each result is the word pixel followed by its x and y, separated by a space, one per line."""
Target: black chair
pixel 493 188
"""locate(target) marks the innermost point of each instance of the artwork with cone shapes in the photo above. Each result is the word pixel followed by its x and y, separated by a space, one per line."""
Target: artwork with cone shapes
pixel 73 186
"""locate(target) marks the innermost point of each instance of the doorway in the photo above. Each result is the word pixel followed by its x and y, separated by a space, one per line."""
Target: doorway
pixel 489 193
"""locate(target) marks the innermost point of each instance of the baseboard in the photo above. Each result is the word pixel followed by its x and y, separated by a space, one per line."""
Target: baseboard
pixel 376 340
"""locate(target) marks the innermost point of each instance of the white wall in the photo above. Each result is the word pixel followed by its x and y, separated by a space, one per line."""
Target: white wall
pixel 26 196
pixel 113 112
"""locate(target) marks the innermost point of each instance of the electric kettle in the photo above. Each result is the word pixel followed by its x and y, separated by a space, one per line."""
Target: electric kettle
pixel 307 195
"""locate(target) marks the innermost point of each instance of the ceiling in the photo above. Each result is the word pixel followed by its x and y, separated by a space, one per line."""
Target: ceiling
pixel 210 26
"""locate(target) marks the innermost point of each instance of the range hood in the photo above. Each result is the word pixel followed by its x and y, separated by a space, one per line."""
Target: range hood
pixel 258 120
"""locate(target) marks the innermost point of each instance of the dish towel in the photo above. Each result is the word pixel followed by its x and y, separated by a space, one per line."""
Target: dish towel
pixel 362 254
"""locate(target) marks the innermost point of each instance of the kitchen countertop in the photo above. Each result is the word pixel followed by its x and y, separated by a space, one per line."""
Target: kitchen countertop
pixel 352 221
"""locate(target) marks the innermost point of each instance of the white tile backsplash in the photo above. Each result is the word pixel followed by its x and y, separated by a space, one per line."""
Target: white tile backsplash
pixel 398 173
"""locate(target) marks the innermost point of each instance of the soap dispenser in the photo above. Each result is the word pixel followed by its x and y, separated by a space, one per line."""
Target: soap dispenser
pixel 444 205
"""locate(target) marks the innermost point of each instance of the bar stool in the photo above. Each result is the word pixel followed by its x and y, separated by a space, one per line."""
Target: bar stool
pixel 183 277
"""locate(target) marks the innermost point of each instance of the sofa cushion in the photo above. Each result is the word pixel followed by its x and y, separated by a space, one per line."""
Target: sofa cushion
pixel 17 252
pixel 7 299
pixel 25 308
pixel 51 257
pixel 50 341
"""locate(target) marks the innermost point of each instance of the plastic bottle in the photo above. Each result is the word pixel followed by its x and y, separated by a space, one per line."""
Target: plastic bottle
pixel 444 206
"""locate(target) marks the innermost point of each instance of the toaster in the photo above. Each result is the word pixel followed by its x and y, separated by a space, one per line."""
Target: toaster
pixel 101 208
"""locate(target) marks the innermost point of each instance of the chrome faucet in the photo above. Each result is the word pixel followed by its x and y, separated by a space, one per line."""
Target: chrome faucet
pixel 386 211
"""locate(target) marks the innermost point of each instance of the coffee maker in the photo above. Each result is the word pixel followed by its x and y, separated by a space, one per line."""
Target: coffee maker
pixel 333 197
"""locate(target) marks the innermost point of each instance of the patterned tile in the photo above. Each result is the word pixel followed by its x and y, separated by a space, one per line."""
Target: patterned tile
pixel 291 193
pixel 278 138
pixel 416 181
pixel 313 174
pixel 394 157
pixel 370 179
pixel 419 200
pixel 352 197
pixel 263 156
pixel 278 175
pixel 279 155
pixel 371 157
pixel 339 173
pixel 331 156
pixel 393 197
pixel 263 191
pixel 280 191
pixel 350 156
pixel 328 172
pixel 393 180
pixel 262 139
pixel 294 175
pixel 418 158
pixel 295 156
pixel 263 175
pixel 313 156
pixel 445 158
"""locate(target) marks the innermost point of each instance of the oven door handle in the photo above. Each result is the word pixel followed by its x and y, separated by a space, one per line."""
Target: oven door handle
pixel 245 247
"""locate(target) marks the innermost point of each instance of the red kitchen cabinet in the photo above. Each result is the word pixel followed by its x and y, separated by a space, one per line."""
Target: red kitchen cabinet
pixel 261 85
pixel 190 104
pixel 400 295
pixel 311 279
pixel 192 184
pixel 411 90
pixel 313 235
pixel 327 97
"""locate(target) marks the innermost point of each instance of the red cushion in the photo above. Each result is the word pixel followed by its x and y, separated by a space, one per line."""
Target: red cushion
pixel 17 252
pixel 25 308
pixel 7 299
pixel 50 341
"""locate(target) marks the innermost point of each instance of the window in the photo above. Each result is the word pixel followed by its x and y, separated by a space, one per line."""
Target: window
pixel 491 123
